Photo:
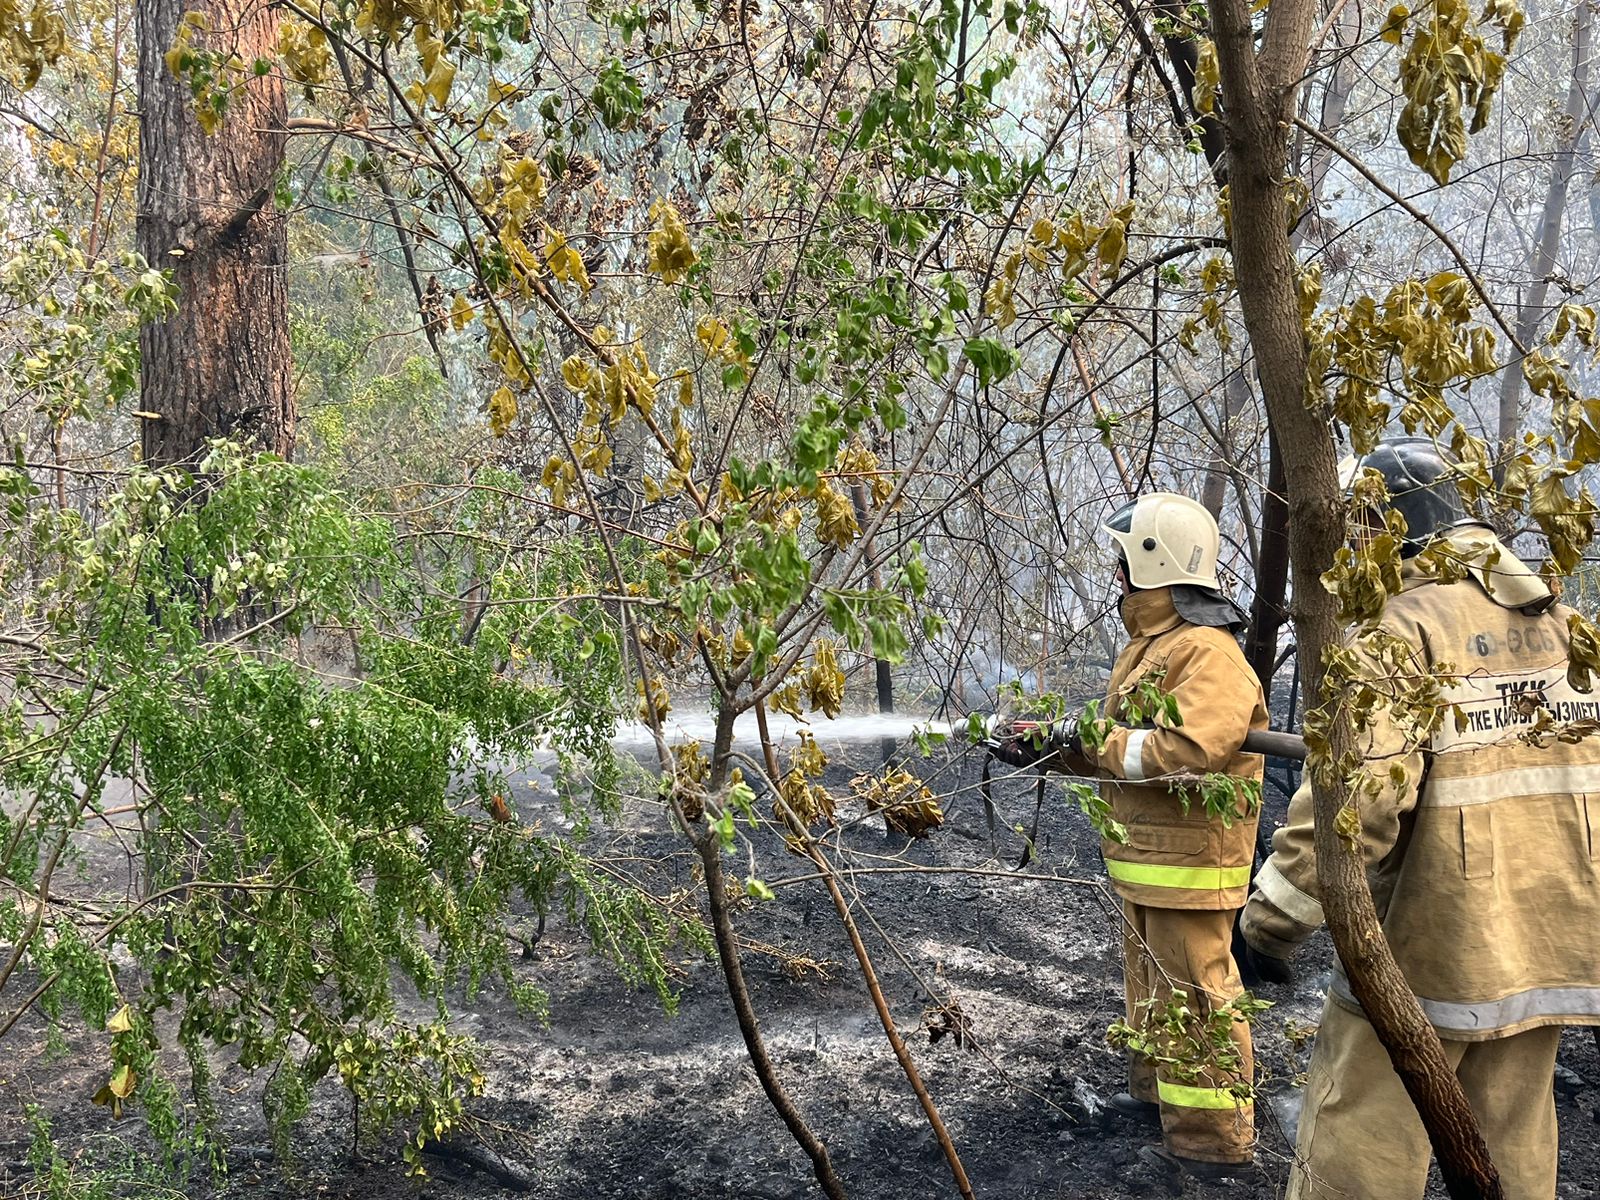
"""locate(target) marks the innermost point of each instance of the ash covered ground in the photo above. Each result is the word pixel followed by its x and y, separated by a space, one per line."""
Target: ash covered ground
pixel 615 1098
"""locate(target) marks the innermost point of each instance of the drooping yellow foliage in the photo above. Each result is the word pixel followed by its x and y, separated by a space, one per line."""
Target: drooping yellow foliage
pixel 671 253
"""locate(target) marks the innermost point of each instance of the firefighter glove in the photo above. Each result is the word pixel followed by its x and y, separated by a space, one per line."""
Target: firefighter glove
pixel 1017 752
pixel 1258 967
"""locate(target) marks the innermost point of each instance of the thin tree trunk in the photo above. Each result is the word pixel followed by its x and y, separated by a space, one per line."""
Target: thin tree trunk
pixel 885 682
pixel 1183 52
pixel 798 831
pixel 710 851
pixel 1549 241
pixel 219 365
pixel 1272 564
pixel 709 848
pixel 1268 611
pixel 1260 94
pixel 1235 397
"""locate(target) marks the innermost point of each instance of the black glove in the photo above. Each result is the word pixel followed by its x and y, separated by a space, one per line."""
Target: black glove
pixel 1257 967
pixel 1024 750
pixel 1017 752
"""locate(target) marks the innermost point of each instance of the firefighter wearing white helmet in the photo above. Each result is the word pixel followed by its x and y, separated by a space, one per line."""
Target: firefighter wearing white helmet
pixel 1181 873
pixel 1483 856
pixel 1167 539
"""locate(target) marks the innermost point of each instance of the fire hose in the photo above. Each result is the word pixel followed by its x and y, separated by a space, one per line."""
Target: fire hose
pixel 1271 743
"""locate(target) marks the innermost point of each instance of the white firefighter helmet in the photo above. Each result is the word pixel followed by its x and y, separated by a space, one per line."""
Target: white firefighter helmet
pixel 1167 539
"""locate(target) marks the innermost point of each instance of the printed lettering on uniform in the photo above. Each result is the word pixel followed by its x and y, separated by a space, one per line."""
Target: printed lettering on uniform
pixel 1498 706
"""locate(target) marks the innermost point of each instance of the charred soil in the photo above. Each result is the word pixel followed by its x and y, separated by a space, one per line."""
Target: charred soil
pixel 1003 981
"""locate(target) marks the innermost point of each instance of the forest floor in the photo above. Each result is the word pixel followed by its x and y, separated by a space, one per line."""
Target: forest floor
pixel 615 1098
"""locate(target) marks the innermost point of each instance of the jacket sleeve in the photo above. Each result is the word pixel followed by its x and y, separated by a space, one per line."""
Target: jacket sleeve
pixel 1216 699
pixel 1285 906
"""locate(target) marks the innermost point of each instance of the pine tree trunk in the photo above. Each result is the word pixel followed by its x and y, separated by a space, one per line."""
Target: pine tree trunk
pixel 219 365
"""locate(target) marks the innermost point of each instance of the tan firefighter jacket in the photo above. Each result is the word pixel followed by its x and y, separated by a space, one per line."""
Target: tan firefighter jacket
pixel 1485 861
pixel 1178 857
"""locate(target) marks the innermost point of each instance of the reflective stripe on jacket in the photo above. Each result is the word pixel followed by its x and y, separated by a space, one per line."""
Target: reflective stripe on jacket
pixel 1487 880
pixel 1177 857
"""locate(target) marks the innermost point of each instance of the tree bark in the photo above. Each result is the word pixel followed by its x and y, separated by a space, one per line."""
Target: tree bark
pixel 1268 612
pixel 1184 55
pixel 709 848
pixel 1549 241
pixel 219 365
pixel 1260 90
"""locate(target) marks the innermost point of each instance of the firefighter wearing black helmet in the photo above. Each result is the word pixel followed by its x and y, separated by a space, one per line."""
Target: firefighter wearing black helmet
pixel 1484 860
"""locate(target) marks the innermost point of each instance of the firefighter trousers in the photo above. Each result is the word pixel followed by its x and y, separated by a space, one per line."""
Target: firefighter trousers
pixel 1361 1139
pixel 1165 948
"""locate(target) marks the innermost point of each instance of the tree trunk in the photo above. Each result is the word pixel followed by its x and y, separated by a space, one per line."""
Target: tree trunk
pixel 1183 52
pixel 1549 242
pixel 1272 565
pixel 1267 611
pixel 1220 471
pixel 219 365
pixel 1260 96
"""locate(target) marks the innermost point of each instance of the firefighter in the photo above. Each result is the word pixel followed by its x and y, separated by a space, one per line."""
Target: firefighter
pixel 1483 853
pixel 1181 875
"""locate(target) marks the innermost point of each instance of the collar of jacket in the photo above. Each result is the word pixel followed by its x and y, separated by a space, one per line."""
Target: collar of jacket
pixel 1504 577
pixel 1147 613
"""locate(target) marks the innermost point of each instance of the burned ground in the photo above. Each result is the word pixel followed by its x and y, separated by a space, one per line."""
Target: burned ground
pixel 615 1098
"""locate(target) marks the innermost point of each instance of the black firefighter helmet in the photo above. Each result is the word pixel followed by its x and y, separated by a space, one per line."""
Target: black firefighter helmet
pixel 1421 486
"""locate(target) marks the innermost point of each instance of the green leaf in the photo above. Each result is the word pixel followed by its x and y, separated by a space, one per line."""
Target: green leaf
pixel 994 359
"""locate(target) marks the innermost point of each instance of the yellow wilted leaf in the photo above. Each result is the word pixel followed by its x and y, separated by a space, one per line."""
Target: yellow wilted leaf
pixel 1000 300
pixel 1308 283
pixel 836 517
pixel 712 333
pixel 461 312
pixel 1347 824
pixel 908 806
pixel 439 72
pixel 1394 26
pixel 502 411
pixel 787 700
pixel 671 253
pixel 1480 344
pixel 577 372
pixel 1578 318
pixel 1583 653
pixel 1207 77
pixel 558 473
pixel 121 1021
pixel 304 51
pixel 682 447
pixel 1112 244
pixel 658 698
pixel 824 680
pixel 566 264
pixel 856 459
pixel 685 391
